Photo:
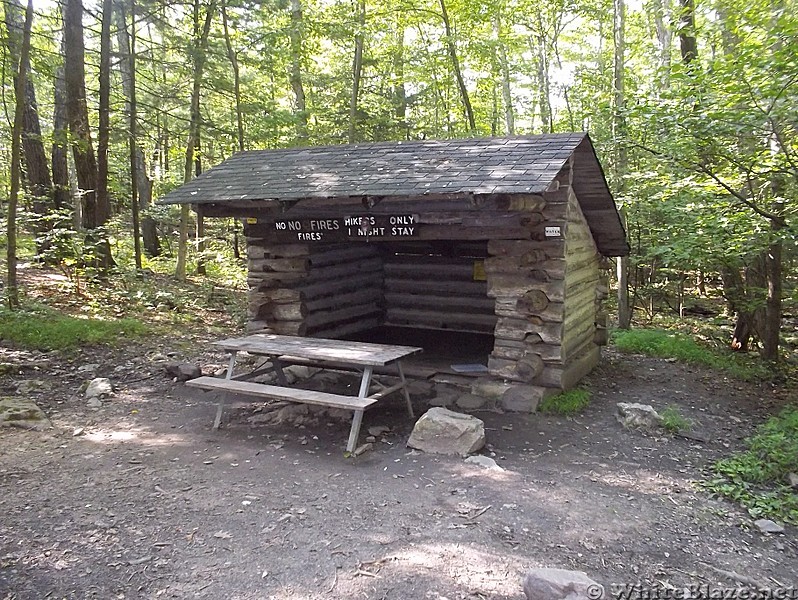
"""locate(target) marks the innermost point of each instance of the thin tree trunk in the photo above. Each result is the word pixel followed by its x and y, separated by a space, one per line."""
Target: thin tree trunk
pixel 104 129
pixel 199 47
pixel 399 92
pixel 58 153
pixel 357 69
pixel 16 156
pixel 619 139
pixel 296 34
pixel 507 97
pixel 452 49
pixel 546 117
pixel 127 48
pixel 231 54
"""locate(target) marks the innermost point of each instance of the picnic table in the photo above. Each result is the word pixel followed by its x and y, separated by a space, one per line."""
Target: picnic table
pixel 282 350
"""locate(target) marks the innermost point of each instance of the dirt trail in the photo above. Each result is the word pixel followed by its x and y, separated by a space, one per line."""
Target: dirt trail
pixel 148 502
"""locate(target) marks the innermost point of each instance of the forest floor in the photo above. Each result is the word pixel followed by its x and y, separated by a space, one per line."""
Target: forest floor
pixel 141 499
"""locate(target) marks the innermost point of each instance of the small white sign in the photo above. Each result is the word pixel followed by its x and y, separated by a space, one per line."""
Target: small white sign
pixel 553 231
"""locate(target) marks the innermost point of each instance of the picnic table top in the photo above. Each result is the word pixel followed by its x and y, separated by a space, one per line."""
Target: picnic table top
pixel 342 351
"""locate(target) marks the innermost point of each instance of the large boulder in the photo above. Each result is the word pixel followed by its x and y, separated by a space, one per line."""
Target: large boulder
pixel 442 431
pixel 638 416
pixel 23 413
pixel 560 584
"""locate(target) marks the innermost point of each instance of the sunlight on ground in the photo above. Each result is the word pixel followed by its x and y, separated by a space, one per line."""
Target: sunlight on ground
pixel 145 438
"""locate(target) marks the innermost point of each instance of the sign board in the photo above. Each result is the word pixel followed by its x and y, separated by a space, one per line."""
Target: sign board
pixel 354 228
pixel 553 231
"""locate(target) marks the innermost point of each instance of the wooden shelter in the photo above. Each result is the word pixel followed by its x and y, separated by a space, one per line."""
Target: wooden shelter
pixel 499 236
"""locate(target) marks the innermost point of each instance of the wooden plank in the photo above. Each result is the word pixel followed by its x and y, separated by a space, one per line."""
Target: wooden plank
pixel 324 317
pixel 440 320
pixel 356 353
pixel 354 251
pixel 338 331
pixel 274 392
pixel 345 298
pixel 455 288
pixel 311 291
pixel 423 300
pixel 443 271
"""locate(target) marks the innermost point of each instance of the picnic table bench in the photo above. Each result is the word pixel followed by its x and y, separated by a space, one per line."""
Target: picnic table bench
pixel 283 350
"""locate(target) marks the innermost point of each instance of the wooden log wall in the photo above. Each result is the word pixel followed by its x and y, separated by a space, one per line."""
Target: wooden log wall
pixel 546 297
pixel 437 286
pixel 328 290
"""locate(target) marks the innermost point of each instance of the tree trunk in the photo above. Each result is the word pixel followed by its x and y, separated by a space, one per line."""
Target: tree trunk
pixel 619 142
pixel 662 16
pixel 104 129
pixel 78 116
pixel 687 37
pixel 58 153
pixel 233 57
pixel 357 69
pixel 200 45
pixel 399 92
pixel 142 188
pixel 504 68
pixel 126 38
pixel 296 34
pixel 20 87
pixel 39 183
pixel 452 49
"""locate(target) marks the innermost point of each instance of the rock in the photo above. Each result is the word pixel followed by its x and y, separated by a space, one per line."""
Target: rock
pixel 159 357
pixel 486 462
pixel 363 449
pixel 792 479
pixel 490 388
pixel 471 402
pixel 90 368
pixel 525 398
pixel 638 416
pixel 94 403
pixel 768 526
pixel 378 430
pixel 442 431
pixel 560 584
pixel 22 413
pixel 99 387
pixel 420 390
pixel 182 371
pixel 443 399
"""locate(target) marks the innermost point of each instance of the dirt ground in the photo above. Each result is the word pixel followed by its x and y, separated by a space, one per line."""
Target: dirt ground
pixel 141 499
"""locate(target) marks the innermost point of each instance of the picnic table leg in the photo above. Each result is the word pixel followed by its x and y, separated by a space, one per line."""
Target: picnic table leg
pixel 230 366
pixel 357 419
pixel 351 445
pixel 278 371
pixel 404 389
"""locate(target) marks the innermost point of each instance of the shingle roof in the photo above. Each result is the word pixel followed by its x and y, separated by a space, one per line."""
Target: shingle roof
pixel 526 164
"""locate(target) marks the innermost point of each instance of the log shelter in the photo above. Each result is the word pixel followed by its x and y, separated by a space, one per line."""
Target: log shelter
pixel 505 237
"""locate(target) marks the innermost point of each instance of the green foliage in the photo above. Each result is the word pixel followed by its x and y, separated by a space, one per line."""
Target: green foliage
pixel 42 328
pixel 674 422
pixel 666 344
pixel 567 403
pixel 757 477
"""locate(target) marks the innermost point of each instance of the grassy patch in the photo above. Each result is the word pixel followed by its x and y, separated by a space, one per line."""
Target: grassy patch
pixel 757 477
pixel 566 403
pixel 665 344
pixel 674 422
pixel 41 328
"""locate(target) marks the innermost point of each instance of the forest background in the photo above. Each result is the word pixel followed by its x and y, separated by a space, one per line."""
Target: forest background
pixel 691 105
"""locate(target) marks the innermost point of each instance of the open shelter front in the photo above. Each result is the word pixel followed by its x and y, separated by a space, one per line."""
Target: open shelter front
pixel 500 237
